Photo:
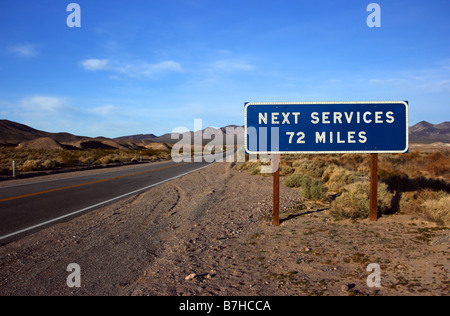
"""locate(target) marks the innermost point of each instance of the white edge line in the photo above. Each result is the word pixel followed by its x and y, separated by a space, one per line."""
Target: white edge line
pixel 100 204
pixel 79 176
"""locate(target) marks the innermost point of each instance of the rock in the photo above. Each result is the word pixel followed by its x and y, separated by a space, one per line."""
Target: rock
pixel 190 276
pixel 442 240
pixel 347 287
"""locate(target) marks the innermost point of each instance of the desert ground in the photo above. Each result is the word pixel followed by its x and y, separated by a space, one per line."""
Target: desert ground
pixel 210 234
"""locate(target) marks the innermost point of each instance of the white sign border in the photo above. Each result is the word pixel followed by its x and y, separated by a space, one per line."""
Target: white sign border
pixel 328 152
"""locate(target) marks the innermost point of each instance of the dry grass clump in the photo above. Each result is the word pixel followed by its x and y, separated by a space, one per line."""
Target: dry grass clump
pixel 311 168
pixel 37 165
pixel 354 202
pixel 416 182
pixel 416 164
pixel 311 188
pixel 336 178
pixel 41 160
pixel 438 165
pixel 429 204
pixel 254 167
pixel 32 165
pixel 438 211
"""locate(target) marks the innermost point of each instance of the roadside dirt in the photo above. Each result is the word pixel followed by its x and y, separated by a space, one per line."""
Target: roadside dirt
pixel 210 233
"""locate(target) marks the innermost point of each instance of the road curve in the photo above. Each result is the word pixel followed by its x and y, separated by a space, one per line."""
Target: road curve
pixel 27 208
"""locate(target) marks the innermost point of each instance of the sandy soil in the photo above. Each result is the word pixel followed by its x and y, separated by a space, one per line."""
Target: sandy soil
pixel 434 147
pixel 210 233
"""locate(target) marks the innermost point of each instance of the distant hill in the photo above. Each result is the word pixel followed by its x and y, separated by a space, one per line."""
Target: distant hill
pixel 137 137
pixel 23 136
pixel 209 134
pixel 427 133
pixel 12 133
pixel 40 143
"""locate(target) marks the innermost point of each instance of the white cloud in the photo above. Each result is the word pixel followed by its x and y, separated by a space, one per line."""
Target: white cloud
pixel 44 112
pixel 24 50
pixel 136 70
pixel 430 80
pixel 229 65
pixel 387 81
pixel 105 110
pixel 149 70
pixel 95 64
pixel 44 104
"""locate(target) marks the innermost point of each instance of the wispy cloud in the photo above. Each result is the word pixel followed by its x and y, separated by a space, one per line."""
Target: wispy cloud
pixel 95 64
pixel 45 104
pixel 105 110
pixel 45 112
pixel 231 65
pixel 25 50
pixel 429 80
pixel 135 70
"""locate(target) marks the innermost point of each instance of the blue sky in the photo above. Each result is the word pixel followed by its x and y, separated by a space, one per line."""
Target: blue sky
pixel 148 66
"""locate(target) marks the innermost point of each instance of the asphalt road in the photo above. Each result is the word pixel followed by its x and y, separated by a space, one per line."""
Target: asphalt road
pixel 27 208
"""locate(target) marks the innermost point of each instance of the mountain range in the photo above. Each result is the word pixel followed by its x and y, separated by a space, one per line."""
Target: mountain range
pixel 427 133
pixel 23 136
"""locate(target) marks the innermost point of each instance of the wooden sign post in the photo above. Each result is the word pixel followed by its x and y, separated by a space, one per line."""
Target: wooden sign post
pixel 276 195
pixel 373 215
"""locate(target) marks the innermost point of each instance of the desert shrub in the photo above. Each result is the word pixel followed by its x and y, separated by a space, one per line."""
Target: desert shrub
pixel 241 166
pixel 32 165
pixel 416 164
pixel 310 168
pixel 87 160
pixel 438 165
pixel 164 155
pixel 353 161
pixel 295 180
pixel 42 159
pixel 148 152
pixel 429 204
pixel 108 159
pixel 354 202
pixel 49 164
pixel 438 210
pixel 311 188
pixel 67 158
pixel 286 170
pixel 336 178
pixel 328 172
pixel 388 173
pixel 122 157
pixel 249 165
pixel 255 170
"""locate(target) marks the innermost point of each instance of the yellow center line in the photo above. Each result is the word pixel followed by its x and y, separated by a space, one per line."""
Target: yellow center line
pixel 88 183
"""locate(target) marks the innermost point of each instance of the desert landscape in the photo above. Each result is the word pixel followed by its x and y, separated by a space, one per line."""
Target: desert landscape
pixel 210 233
pixel 225 155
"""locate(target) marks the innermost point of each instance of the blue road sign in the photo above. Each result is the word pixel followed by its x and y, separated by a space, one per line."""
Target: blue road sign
pixel 326 127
